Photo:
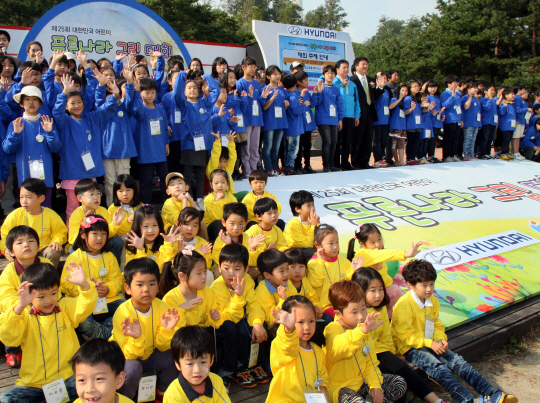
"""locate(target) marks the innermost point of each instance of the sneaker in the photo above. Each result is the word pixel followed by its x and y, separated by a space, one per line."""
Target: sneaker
pixel 14 360
pixel 382 164
pixel 519 157
pixel 413 162
pixel 424 161
pixel 259 374
pixel 507 157
pixel 199 204
pixel 466 159
pixel 327 170
pixel 244 379
pixel 227 382
pixel 456 158
pixel 309 170
pixel 281 171
pixel 290 172
pixel 486 157
pixel 271 174
pixel 304 172
pixel 434 160
pixel 336 169
pixel 448 159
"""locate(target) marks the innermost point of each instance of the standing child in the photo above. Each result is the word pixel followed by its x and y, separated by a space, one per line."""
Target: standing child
pixel 490 119
pixel 295 125
pixel 380 127
pixel 427 130
pixel 419 335
pixel 176 126
pixel 376 300
pixel 223 121
pixel 297 359
pixel 523 114
pixel 374 255
pixel 50 227
pixel 412 105
pixel 214 202
pixel 41 319
pixel 507 124
pixel 193 354
pixel 91 250
pixel 398 126
pixel 304 149
pixel 98 367
pixel 451 102
pixel 126 200
pixel 300 230
pixel 258 181
pixel 143 326
pixel 472 120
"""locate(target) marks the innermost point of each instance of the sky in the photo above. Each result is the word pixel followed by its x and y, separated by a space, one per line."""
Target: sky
pixel 364 15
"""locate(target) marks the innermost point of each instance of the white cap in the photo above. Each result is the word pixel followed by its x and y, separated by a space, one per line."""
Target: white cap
pixel 70 56
pixel 296 64
pixel 29 91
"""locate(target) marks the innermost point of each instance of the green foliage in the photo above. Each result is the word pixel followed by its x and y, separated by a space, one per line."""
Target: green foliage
pixel 515 346
pixel 24 13
pixel 329 16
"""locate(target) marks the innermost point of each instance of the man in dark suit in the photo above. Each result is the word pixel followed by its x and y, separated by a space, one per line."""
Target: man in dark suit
pixel 368 92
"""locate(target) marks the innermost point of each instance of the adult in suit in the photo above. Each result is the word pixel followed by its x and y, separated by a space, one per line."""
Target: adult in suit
pixel 368 92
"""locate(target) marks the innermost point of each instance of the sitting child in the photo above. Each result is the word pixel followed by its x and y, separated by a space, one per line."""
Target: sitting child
pixel 143 326
pixel 350 351
pixel 214 202
pixel 91 250
pixel 530 144
pixel 189 223
pixel 297 359
pixel 266 212
pixel 193 352
pixel 99 372
pixel 223 156
pixel 52 230
pixel 48 322
pixel 300 230
pixel 258 181
pixel 419 335
pixel 125 195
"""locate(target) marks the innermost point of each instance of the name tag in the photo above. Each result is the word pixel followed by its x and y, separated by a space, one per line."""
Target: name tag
pixel 439 116
pixel 386 110
pixel 308 118
pixel 417 119
pixel 224 141
pixel 496 118
pixel 37 170
pixel 101 306
pixel 428 133
pixel 478 117
pixel 198 142
pixel 177 117
pixel 430 328
pixel 527 116
pixel 278 111
pixel 147 389
pixel 253 355
pixel 458 109
pixel 240 120
pixel 87 160
pixel 313 396
pixel 332 111
pixel 513 122
pixel 401 113
pixel 56 392
pixel 155 127
pixel 255 108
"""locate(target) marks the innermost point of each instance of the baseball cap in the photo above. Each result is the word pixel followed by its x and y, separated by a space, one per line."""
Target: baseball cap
pixel 70 56
pixel 171 175
pixel 29 91
pixel 296 64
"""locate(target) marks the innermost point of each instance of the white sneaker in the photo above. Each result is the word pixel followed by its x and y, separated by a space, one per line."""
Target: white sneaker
pixel 199 204
pixel 456 159
pixel 518 157
pixel 448 159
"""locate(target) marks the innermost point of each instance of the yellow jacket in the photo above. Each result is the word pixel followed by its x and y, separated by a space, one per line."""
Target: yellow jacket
pixel 114 278
pixel 213 211
pixel 345 360
pixel 293 368
pixel 9 286
pixel 270 301
pixel 409 324
pixel 170 212
pixel 322 274
pixel 125 226
pixel 271 236
pixel 201 315
pixel 219 244
pixel 153 334
pixel 121 399
pixel 382 336
pixel 299 235
pixel 58 336
pixel 224 299
pixel 213 163
pixel 309 292
pixel 48 225
pixel 250 199
pixel 207 256
pixel 166 253
pixel 374 256
pixel 175 393
pixel 76 219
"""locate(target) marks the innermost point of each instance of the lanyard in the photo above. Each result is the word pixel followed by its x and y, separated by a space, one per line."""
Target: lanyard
pixel 302 362
pixel 88 264
pixel 57 345
pixel 42 214
pixel 153 346
pixel 199 399
pixel 326 269
pixel 277 235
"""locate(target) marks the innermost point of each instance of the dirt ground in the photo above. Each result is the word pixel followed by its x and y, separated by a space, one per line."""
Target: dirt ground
pixel 514 369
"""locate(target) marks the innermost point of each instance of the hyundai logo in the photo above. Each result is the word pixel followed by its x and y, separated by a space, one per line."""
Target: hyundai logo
pixel 294 30
pixel 442 257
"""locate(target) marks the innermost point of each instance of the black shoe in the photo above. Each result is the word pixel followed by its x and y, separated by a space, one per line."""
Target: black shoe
pixel 298 171
pixel 244 379
pixel 309 170
pixel 336 169
pixel 366 167
pixel 259 374
pixel 349 168
pixel 227 382
pixel 327 169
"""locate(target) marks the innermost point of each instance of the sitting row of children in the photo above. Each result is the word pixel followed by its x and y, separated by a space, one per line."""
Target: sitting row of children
pixel 169 346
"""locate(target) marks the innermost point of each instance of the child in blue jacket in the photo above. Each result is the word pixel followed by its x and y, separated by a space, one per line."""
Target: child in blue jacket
pixel 412 105
pixel 295 126
pixel 380 127
pixel 530 143
pixel 304 143
pixel 427 130
pixel 507 122
pixel 472 120
pixel 223 121
pixel 490 120
pixel 398 126
pixel 177 126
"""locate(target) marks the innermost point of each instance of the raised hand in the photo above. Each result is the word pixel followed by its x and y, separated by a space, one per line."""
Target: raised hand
pixel 81 57
pixel 39 57
pixel 222 110
pixel 357 262
pixel 47 123
pixel 285 318
pixel 156 54
pixel 131 60
pixel 371 323
pixel 231 111
pixel 102 80
pixel 68 84
pixel 120 56
pixel 172 236
pixel 77 276
pixel 226 238
pixel 282 292
pixel 131 329
pixel 238 286
pixel 414 250
pixel 113 88
pixel 320 86
pixel 218 196
pixel 192 303
pixel 18 125
pixel 25 296
pixel 266 91
pixel 118 216
pixel 243 94
pixel 214 314
pixel 303 93
pixel 313 218
pixel 255 241
pixel 26 76
pixel 320 253
pixel 206 248
pixel 135 241
pixel 128 74
pixel 169 318
pixel 413 106
pixel 232 135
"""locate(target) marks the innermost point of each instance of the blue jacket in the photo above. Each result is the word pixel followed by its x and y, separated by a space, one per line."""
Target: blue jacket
pixel 452 105
pixel 117 139
pixel 329 99
pixel 74 136
pixel 397 117
pixel 436 120
pixel 521 109
pixel 489 111
pixel 249 119
pixel 26 148
pixel 294 112
pixel 222 124
pixel 351 102
pixel 415 116
pixel 472 117
pixel 240 105
pixel 174 116
pixel 427 130
pixel 531 139
pixel 507 117
pixel 271 122
pixel 381 105
pixel 307 116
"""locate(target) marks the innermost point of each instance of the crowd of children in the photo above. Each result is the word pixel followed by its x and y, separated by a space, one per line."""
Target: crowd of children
pixel 176 305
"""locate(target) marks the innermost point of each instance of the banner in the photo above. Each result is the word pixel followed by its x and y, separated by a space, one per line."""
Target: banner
pixel 104 29
pixel 479 221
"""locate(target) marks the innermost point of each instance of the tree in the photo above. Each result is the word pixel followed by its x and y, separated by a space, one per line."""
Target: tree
pixel 329 16
pixel 24 13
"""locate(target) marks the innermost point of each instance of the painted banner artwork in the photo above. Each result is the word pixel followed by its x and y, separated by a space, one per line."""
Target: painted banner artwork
pixel 480 222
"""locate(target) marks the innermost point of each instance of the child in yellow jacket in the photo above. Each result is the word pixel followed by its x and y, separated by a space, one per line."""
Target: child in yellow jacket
pixel 125 198
pixel 51 229
pixel 223 157
pixel 258 181
pixel 300 230
pixel 374 255
pixel 143 326
pixel 195 381
pixel 297 360
pixel 239 332
pixel 266 212
pixel 376 298
pixel 350 351
pixel 100 266
pixel 189 223
pixel 44 327
pixel 214 202
pixel 419 335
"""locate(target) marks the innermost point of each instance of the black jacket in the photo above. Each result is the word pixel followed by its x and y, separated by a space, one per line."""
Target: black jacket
pixel 374 94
